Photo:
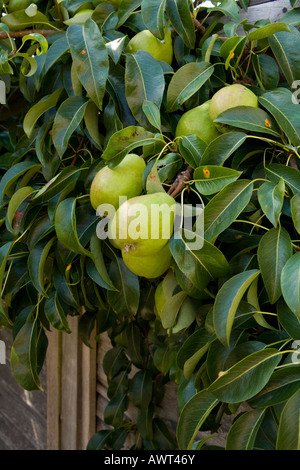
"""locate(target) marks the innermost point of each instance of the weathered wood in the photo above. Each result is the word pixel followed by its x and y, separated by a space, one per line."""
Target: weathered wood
pixel 72 390
pixel 22 413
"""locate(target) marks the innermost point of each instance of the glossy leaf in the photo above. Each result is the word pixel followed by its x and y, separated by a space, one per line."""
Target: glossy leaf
pixel 126 300
pixel 250 119
pixel 24 356
pixel 225 207
pixel 270 197
pixel 55 313
pixel 267 30
pixel 288 437
pixel 179 14
pixel 192 148
pixel 227 300
pixel 67 119
pixel 90 58
pixel 287 60
pixel 290 176
pixel 290 281
pixel 36 264
pixel 186 82
pixel 210 179
pixel 153 16
pixel 247 377
pixel 217 151
pixel 199 265
pixel 283 383
pixel 192 417
pixel 274 250
pixel 144 80
pixel 243 432
pixel 295 208
pixel 141 389
pixel 124 141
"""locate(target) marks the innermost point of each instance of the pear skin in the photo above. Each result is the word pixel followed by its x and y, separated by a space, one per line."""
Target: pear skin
pixel 151 266
pixel 146 41
pixel 143 225
pixel 197 121
pixel 126 179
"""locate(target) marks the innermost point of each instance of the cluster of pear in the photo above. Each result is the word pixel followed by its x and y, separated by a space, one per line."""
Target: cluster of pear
pixel 200 120
pixel 144 251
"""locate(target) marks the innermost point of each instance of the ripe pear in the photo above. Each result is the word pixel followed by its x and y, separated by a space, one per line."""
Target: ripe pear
pixel 229 97
pixel 197 121
pixel 151 266
pixel 143 225
pixel 146 41
pixel 126 179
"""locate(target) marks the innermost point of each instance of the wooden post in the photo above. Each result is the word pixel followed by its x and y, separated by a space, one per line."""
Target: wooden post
pixel 71 390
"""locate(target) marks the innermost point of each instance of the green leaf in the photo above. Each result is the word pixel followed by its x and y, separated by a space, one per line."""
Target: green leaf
pixel 99 264
pixel 288 437
pixel 288 320
pixel 19 20
pixel 152 113
pixel 191 148
pixel 267 30
pixel 227 301
pixel 247 377
pixel 292 17
pixel 290 176
pixel 36 264
pixel 91 120
pixel 228 8
pixel 295 208
pixel 217 151
pixel 153 184
pixel 65 226
pixel 171 308
pixel 140 392
pixel 4 254
pixel 55 313
pixel 63 180
pixel 192 417
pixel 115 409
pixel 186 81
pixel 144 80
pixel 38 109
pixel 201 265
pixel 288 61
pixel 125 9
pixel 13 174
pixel 122 142
pixel 274 250
pixel 68 117
pixel 266 71
pixel 243 432
pixel 153 16
pixel 283 383
pixel 179 14
pixel 126 300
pixel 290 283
pixel 24 362
pixel 270 197
pixel 210 179
pixel 90 58
pixel 250 119
pixel 17 199
pixel 225 207
pixel 287 115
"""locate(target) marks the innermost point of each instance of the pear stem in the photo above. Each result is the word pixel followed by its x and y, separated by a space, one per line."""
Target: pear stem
pixel 180 181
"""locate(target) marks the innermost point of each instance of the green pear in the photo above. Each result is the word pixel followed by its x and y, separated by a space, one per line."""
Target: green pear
pixel 143 225
pixel 126 179
pixel 15 5
pixel 146 41
pixel 197 121
pixel 229 97
pixel 150 266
